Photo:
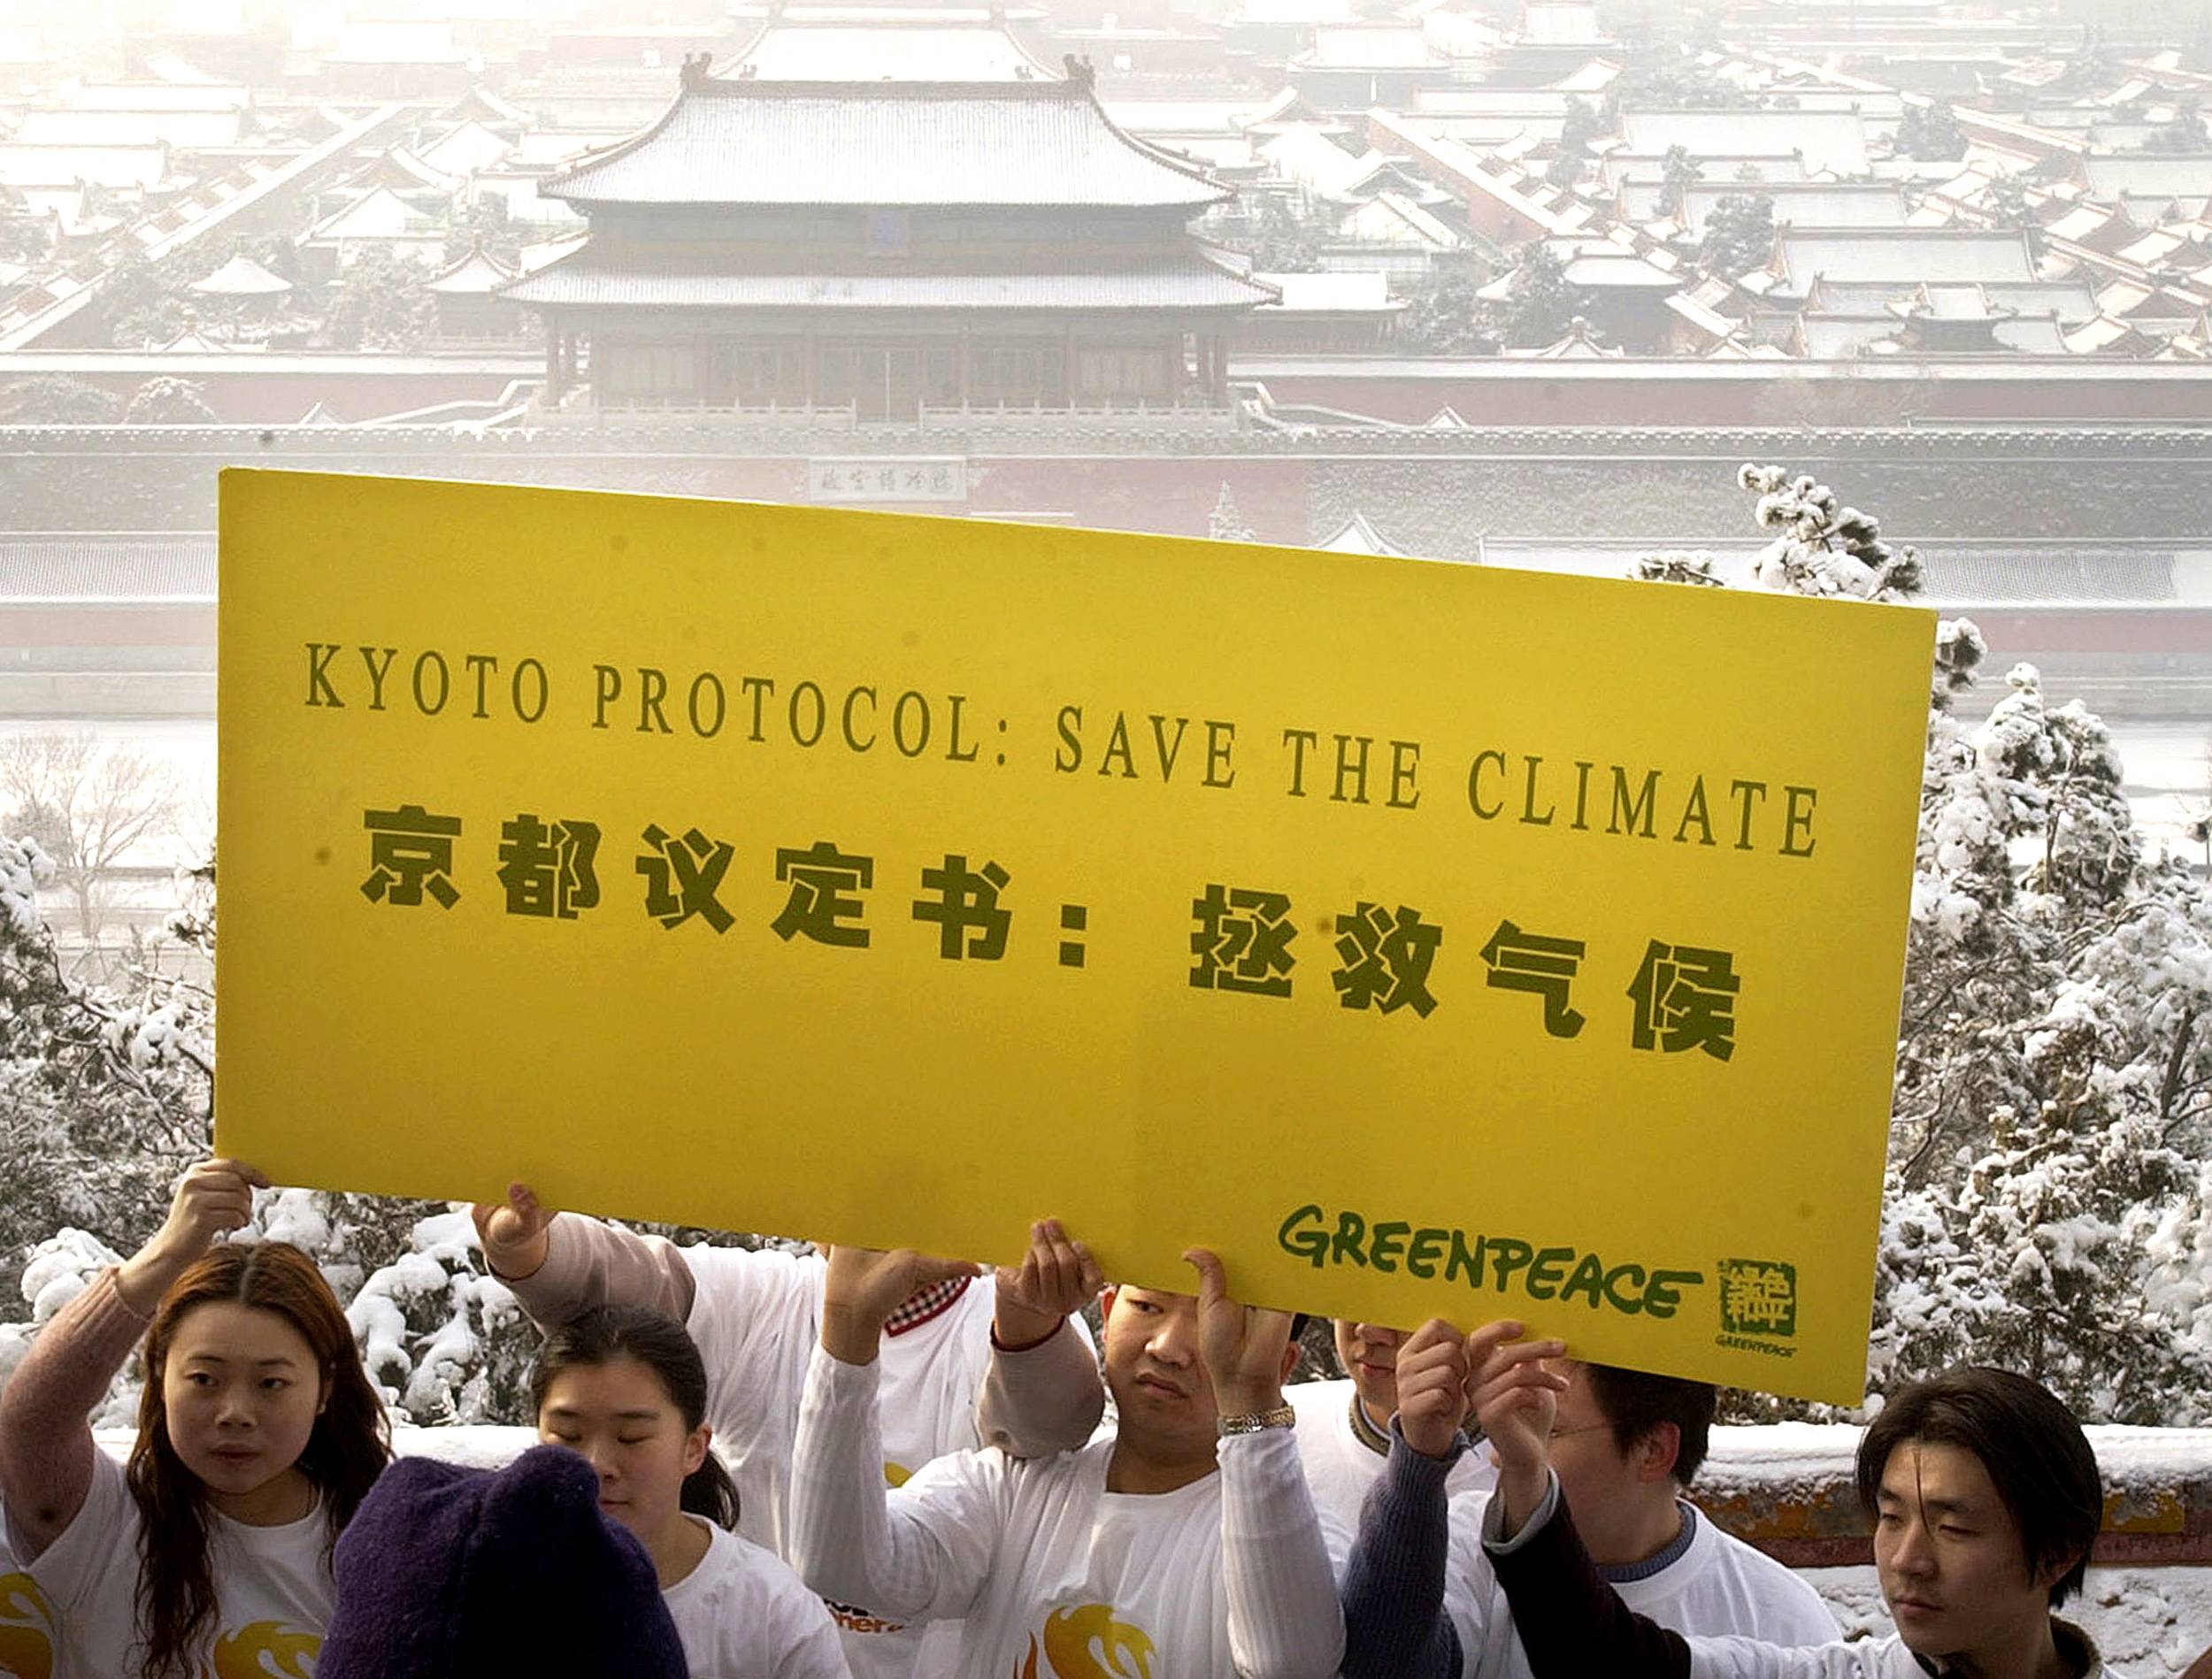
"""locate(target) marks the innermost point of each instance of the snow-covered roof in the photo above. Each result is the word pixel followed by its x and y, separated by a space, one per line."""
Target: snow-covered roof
pixel 1322 167
pixel 482 103
pixel 1562 26
pixel 159 94
pixel 1169 283
pixel 1044 143
pixel 138 166
pixel 1969 576
pixel 466 149
pixel 401 169
pixel 1360 291
pixel 1904 254
pixel 1831 141
pixel 1292 12
pixel 476 275
pixel 242 276
pixel 380 214
pixel 1356 535
pixel 1370 47
pixel 192 130
pixel 2111 176
pixel 1390 219
pixel 412 41
pixel 802 44
pixel 174 569
pixel 1805 204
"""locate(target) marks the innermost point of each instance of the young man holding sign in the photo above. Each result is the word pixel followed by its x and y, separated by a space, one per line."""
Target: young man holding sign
pixel 963 1364
pixel 1183 1542
pixel 1985 1499
pixel 1420 1597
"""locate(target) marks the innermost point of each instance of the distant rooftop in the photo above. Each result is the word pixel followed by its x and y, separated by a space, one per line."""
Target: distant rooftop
pixel 1833 141
pixel 1905 254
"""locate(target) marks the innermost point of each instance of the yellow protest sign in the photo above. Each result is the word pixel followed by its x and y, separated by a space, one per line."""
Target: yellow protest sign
pixel 1426 938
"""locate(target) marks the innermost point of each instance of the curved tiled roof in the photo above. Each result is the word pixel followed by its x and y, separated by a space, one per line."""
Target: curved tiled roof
pixel 892 144
pixel 1191 282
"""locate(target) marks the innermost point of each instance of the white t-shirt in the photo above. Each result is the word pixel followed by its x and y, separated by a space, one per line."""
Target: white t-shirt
pixel 1340 1466
pixel 272 1591
pixel 742 1614
pixel 1718 1586
pixel 1054 1577
pixel 757 1317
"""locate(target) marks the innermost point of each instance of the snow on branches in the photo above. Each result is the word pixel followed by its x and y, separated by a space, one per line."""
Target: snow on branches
pixel 2051 1123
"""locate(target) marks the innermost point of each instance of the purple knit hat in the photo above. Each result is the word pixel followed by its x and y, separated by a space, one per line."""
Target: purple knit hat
pixel 445 1571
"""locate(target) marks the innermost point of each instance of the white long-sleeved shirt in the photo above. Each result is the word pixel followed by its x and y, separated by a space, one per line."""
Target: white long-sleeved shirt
pixel 1748 1658
pixel 1230 1577
pixel 1707 1582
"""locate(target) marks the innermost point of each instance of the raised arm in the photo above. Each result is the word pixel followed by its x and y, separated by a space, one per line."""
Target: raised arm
pixel 1041 1393
pixel 924 1552
pixel 558 1264
pixel 1278 1576
pixel 1394 1621
pixel 1571 1622
pixel 46 1449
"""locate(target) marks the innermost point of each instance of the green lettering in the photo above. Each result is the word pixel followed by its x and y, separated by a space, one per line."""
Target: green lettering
pixel 1632 1302
pixel 1474 784
pixel 1542 1282
pixel 1312 1245
pixel 1795 821
pixel 1421 1256
pixel 1508 1255
pixel 1351 1229
pixel 1118 745
pixel 1386 1244
pixel 1635 810
pixel 1589 1277
pixel 1663 1295
pixel 1461 1260
pixel 1694 811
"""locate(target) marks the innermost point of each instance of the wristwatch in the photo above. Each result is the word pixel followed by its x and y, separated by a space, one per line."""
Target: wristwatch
pixel 1252 1422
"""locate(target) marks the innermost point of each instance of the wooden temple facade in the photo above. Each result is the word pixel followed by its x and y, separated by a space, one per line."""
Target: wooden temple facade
pixel 889 245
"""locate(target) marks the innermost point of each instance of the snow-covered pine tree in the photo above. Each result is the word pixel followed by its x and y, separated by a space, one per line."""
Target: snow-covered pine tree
pixel 2052 1117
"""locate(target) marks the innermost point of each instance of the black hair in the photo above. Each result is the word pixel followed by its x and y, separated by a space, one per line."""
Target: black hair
pixel 605 1333
pixel 1634 1402
pixel 2037 1456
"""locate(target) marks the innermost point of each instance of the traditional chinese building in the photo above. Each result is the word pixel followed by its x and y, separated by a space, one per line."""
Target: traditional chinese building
pixel 889 245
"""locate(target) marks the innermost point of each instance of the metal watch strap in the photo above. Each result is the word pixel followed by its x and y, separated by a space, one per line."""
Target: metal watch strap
pixel 1252 1422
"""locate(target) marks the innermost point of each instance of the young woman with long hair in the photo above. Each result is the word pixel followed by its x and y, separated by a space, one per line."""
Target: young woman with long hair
pixel 625 1386
pixel 258 1433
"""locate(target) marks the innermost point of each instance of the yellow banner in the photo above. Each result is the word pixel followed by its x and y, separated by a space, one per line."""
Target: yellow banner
pixel 1426 938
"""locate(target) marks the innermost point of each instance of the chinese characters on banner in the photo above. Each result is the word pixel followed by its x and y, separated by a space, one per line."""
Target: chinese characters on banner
pixel 900 880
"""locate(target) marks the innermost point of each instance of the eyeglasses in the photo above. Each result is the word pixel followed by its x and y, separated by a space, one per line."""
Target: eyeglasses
pixel 1585 1428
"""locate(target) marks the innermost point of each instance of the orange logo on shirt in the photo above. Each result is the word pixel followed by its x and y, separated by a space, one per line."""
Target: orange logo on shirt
pixel 266 1650
pixel 1087 1643
pixel 26 1630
